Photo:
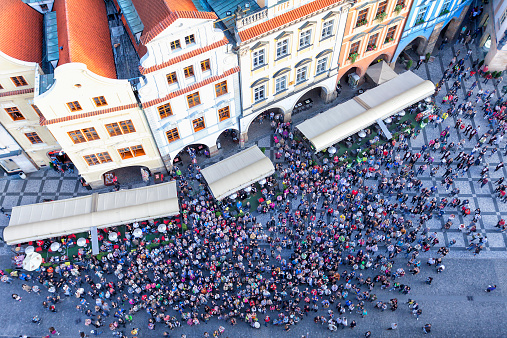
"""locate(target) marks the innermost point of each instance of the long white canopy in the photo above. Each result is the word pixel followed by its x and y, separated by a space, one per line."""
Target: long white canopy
pixel 237 172
pixel 64 217
pixel 362 111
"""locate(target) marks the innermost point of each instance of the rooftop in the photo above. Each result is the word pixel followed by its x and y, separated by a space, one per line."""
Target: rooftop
pixel 221 7
pixel 20 31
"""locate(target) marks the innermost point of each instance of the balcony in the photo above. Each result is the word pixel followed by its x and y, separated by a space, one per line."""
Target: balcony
pixel 252 18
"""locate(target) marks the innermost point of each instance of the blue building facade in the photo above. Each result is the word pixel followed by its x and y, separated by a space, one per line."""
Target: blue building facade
pixel 428 20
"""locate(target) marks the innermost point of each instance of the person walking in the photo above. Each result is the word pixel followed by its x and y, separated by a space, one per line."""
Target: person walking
pixel 394 326
pixel 491 288
pixel 53 331
pixel 427 328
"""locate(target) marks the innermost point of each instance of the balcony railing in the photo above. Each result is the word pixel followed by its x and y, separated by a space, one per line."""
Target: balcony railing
pixel 254 17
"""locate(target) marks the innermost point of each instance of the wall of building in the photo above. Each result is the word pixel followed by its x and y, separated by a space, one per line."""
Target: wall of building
pixel 255 76
pixel 12 157
pixel 439 15
pixel 496 29
pixel 21 97
pixel 156 91
pixel 74 82
pixel 385 47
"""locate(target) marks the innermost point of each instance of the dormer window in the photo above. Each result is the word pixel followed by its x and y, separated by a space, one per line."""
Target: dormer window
pixel 189 39
pixel 175 45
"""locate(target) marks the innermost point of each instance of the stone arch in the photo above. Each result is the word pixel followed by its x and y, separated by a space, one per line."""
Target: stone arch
pixel 247 122
pixel 228 138
pixel 355 69
pixel 199 148
pixel 384 56
pixel 417 44
pixel 126 174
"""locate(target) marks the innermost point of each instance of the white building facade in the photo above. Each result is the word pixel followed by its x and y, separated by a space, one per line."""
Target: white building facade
pixel 190 86
pixel 287 49
pixel 98 123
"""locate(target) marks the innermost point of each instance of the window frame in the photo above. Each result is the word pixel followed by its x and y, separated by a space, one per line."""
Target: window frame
pixel 301 71
pixel 15 114
pixel 306 38
pixel 192 101
pixel 163 112
pixel 191 39
pixel 171 78
pixel 205 65
pixel 104 157
pixel 175 135
pixel 328 29
pixel 74 106
pixel 113 128
pixel 198 124
pixel 322 60
pixel 138 150
pixel 19 81
pixel 382 8
pixel 90 134
pixel 91 160
pixel 259 58
pixel 219 88
pixel 278 80
pixel 33 137
pixel 126 150
pixel 100 101
pixel 37 110
pixel 259 93
pixel 374 44
pixel 353 50
pixel 78 134
pixel 188 71
pixel 419 19
pixel 281 46
pixel 225 111
pixel 362 16
pixel 127 127
pixel 175 45
pixel 389 31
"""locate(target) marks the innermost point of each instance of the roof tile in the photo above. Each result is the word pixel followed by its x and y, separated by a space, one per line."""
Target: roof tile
pixel 45 122
pixel 17 92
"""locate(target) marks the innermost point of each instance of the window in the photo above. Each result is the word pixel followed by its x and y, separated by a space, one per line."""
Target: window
pixel 381 8
pixel 301 74
pixel 37 110
pixel 502 19
pixel 90 134
pixel 76 136
pixel 1 87
pixel 420 15
pixel 361 18
pixel 258 58
pixel 205 65
pixel 354 48
pixel 165 110
pixel 171 78
pixel 100 101
pixel 74 106
pixel 322 65
pixel 193 99
pixel 44 7
pixel 305 38
pixel 188 71
pixel 104 157
pixel 189 39
pixel 33 137
pixel 125 153
pixel 173 135
pixel 372 43
pixel 224 114
pixel 445 7
pixel 113 129
pixel 127 127
pixel 138 150
pixel 281 83
pixel 221 88
pixel 91 160
pixel 400 3
pixel 259 93
pixel 198 124
pixel 390 34
pixel 282 48
pixel 15 114
pixel 19 81
pixel 175 45
pixel 327 29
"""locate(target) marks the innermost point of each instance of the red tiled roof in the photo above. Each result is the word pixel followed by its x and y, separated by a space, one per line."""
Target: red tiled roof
pixel 184 57
pixel 45 122
pixel 159 28
pixel 83 32
pixel 20 31
pixel 285 18
pixel 190 88
pixel 17 92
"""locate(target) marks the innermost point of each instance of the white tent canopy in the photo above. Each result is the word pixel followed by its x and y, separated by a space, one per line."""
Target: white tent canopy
pixel 64 217
pixel 237 172
pixel 362 111
pixel 380 73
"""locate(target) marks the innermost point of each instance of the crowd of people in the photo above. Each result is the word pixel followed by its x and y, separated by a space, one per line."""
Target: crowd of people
pixel 341 238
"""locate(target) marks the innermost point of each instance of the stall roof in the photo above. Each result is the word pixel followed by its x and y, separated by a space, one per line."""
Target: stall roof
pixel 237 172
pixel 73 215
pixel 362 111
pixel 381 73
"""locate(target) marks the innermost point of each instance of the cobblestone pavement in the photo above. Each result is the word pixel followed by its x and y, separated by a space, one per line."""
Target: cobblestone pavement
pixel 455 304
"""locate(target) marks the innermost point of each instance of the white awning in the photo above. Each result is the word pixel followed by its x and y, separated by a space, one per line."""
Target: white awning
pixel 362 111
pixel 64 217
pixel 237 172
pixel 380 73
